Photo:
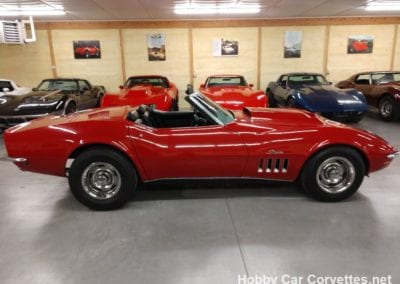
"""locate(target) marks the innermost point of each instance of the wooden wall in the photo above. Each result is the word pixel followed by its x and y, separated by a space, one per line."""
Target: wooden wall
pixel 189 50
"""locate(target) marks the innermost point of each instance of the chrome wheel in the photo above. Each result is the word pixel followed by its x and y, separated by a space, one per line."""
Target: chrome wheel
pixel 386 108
pixel 101 180
pixel 335 175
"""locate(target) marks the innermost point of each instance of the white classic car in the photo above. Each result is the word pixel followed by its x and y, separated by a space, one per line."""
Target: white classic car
pixel 9 87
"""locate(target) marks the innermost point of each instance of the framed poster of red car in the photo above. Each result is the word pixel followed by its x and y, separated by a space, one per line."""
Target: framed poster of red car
pixel 86 49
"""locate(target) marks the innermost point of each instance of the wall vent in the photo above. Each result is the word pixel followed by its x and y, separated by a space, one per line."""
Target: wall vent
pixel 15 32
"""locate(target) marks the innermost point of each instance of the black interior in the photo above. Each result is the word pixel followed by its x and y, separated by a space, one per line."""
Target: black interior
pixel 150 116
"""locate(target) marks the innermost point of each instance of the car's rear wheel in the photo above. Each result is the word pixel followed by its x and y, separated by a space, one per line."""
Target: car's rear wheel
pixel 291 103
pixel 70 108
pixel 333 174
pixel 271 100
pixel 388 110
pixel 102 179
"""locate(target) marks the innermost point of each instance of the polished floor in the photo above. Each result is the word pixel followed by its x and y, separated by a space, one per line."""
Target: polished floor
pixel 199 233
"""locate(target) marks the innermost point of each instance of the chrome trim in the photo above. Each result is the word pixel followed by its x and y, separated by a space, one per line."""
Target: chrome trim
pixel 18 160
pixel 28 116
pixel 394 155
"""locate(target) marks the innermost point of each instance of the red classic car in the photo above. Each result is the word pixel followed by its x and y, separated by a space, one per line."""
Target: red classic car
pixel 381 90
pixel 105 153
pixel 233 92
pixel 149 89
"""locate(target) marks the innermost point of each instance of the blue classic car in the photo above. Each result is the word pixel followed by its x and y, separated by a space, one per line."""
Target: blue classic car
pixel 311 91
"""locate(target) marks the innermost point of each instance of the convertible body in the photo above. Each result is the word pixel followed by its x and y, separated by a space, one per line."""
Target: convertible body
pixel 60 96
pixel 149 89
pixel 232 92
pixel 311 91
pixel 381 89
pixel 106 152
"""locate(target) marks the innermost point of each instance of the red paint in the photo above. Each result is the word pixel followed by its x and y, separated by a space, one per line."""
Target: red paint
pixel 162 97
pixel 236 149
pixel 234 97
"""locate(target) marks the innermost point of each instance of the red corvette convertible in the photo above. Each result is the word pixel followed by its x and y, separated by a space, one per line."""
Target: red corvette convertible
pixel 152 89
pixel 232 92
pixel 105 153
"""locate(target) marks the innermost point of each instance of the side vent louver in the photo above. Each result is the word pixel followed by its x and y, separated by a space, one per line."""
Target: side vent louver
pixel 268 165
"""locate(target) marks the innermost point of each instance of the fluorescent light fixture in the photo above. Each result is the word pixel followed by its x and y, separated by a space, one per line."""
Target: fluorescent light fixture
pixel 200 9
pixel 383 6
pixel 31 11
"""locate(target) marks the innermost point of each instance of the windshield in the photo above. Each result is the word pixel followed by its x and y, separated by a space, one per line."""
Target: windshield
pixel 296 80
pixel 63 85
pixel 226 81
pixel 382 78
pixel 214 110
pixel 154 81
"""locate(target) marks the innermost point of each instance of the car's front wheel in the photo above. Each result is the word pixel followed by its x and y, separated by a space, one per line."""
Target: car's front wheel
pixel 333 174
pixel 388 110
pixel 102 179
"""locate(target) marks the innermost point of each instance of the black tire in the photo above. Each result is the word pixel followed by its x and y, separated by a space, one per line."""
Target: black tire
pixel 102 167
pixel 70 108
pixel 356 118
pixel 388 109
pixel 100 97
pixel 333 174
pixel 271 100
pixel 291 103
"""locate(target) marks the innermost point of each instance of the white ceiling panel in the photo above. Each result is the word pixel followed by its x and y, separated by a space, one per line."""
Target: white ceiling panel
pixel 106 10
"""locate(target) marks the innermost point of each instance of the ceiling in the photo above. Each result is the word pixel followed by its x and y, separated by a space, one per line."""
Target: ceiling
pixel 112 10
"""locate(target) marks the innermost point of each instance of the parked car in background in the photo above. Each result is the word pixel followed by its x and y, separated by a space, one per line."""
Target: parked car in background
pixel 312 92
pixel 381 89
pixel 232 92
pixel 59 96
pixel 9 87
pixel 148 89
pixel 106 152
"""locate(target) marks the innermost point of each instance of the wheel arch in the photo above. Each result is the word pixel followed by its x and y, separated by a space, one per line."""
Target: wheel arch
pixel 75 153
pixel 325 147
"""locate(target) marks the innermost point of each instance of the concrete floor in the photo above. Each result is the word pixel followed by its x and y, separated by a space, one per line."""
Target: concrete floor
pixel 198 233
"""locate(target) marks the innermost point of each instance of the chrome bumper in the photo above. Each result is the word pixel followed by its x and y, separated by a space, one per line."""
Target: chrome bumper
pixel 394 155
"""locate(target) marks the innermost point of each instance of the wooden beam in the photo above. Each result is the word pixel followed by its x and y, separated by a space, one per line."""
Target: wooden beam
pixel 259 50
pixel 191 59
pixel 121 47
pixel 52 57
pixel 218 23
pixel 394 47
pixel 325 70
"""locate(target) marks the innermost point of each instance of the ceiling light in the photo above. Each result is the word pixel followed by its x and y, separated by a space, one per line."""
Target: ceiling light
pixel 216 9
pixel 383 6
pixel 31 11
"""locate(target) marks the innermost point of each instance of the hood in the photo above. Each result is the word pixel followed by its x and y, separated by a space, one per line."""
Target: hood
pixel 137 95
pixel 281 116
pixel 327 98
pixel 15 105
pixel 228 92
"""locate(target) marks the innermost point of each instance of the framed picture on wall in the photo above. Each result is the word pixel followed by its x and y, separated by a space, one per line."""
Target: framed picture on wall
pixel 86 49
pixel 360 44
pixel 224 47
pixel 156 47
pixel 292 46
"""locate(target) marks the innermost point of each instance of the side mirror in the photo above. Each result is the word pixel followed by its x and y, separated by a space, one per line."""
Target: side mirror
pixel 202 86
pixel 120 87
pixel 189 89
pixel 35 89
pixel 251 85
